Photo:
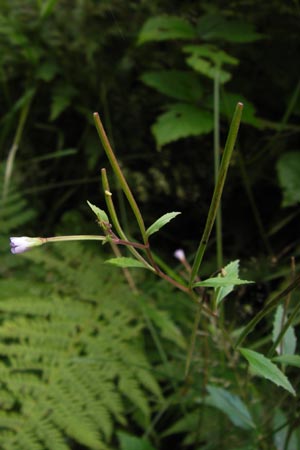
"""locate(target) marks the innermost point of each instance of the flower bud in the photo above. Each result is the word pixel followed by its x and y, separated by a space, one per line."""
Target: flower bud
pixel 180 255
pixel 24 243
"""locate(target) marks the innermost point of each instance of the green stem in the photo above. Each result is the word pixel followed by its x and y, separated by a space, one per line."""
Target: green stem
pixel 77 237
pixel 229 146
pixel 217 164
pixel 193 340
pixel 115 220
pixel 15 145
pixel 119 174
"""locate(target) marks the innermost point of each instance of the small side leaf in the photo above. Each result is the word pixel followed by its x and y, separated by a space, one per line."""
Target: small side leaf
pixel 231 405
pixel 224 284
pixel 126 262
pixel 100 214
pixel 221 282
pixel 265 368
pixel 289 360
pixel 161 222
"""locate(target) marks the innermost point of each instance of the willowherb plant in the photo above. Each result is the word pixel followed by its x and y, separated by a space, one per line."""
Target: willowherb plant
pixel 143 257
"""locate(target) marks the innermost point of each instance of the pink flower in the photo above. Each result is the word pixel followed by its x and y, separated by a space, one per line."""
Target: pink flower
pixel 24 243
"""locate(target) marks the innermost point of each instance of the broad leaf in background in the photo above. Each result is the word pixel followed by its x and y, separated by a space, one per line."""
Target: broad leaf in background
pixel 217 27
pixel 231 405
pixel 62 97
pixel 208 60
pixel 162 320
pixel 262 366
pixel 227 105
pixel 289 360
pixel 128 442
pixel 289 341
pixel 288 170
pixel 165 27
pixel 161 222
pixel 100 214
pixel 224 284
pixel 47 71
pixel 126 262
pixel 178 84
pixel 283 438
pixel 180 121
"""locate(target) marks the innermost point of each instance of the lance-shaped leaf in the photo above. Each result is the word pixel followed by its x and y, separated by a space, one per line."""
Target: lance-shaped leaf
pixel 231 405
pixel 126 262
pixel 161 222
pixel 100 214
pixel 262 366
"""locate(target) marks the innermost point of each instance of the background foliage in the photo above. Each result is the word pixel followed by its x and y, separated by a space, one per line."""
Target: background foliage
pixel 149 69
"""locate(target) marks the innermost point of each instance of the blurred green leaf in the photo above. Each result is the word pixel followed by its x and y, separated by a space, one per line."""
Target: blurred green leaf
pixel 178 84
pixel 208 60
pixel 61 99
pixel 231 405
pixel 47 71
pixel 47 7
pixel 227 105
pixel 126 262
pixel 217 27
pixel 289 360
pixel 264 367
pixel 288 170
pixel 180 121
pixel 284 436
pixel 128 442
pixel 161 222
pixel 165 27
pixel 288 342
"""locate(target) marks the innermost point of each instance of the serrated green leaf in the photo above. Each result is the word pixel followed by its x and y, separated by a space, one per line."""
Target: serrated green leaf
pixel 207 60
pixel 231 270
pixel 288 342
pixel 180 121
pixel 288 170
pixel 289 360
pixel 126 262
pixel 178 84
pixel 231 405
pixel 100 214
pixel 161 222
pixel 165 27
pixel 221 282
pixel 265 368
pixel 224 284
